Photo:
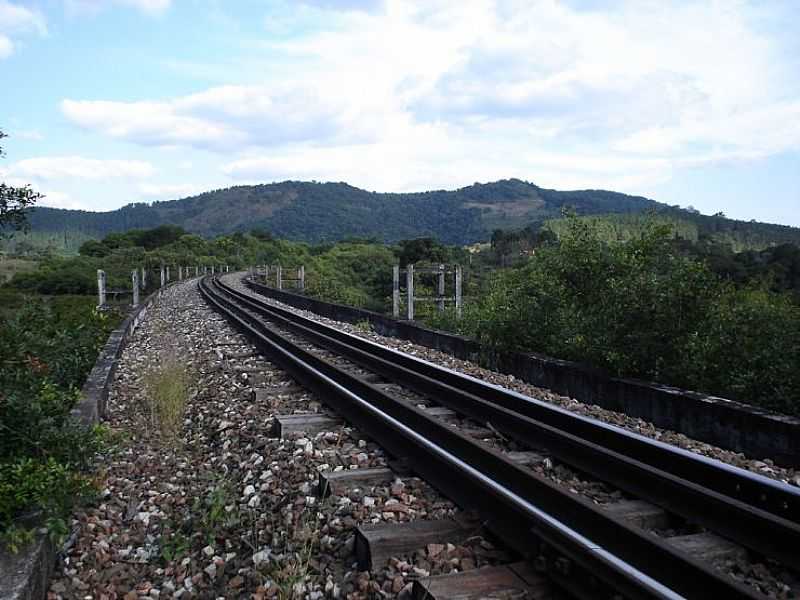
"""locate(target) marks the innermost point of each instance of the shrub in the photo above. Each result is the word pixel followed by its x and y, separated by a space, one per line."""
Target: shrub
pixel 46 349
pixel 640 309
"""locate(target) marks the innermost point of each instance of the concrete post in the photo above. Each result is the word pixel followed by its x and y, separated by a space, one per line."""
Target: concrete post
pixel 410 291
pixel 440 288
pixel 205 269
pixel 458 290
pixel 196 270
pixel 163 276
pixel 212 269
pixel 227 270
pixel 301 278
pixel 135 286
pixel 180 273
pixel 167 272
pixel 144 278
pixel 101 288
pixel 279 277
pixel 396 291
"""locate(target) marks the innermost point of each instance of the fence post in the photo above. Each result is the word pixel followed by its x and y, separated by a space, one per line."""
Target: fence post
pixel 167 272
pixel 180 273
pixel 279 277
pixel 212 269
pixel 226 269
pixel 101 288
pixel 144 278
pixel 458 290
pixel 440 288
pixel 396 291
pixel 410 291
pixel 163 276
pixel 135 286
pixel 301 278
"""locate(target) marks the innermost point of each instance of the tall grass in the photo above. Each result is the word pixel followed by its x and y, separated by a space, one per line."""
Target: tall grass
pixel 168 388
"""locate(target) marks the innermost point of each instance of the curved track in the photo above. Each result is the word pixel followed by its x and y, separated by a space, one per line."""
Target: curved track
pixel 581 547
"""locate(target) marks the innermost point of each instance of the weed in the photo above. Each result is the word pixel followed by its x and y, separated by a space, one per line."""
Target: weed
pixel 16 537
pixel 364 326
pixel 213 512
pixel 175 547
pixel 168 393
pixel 290 573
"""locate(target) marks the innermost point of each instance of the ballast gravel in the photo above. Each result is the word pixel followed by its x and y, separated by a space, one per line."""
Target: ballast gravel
pixel 222 510
pixel 762 466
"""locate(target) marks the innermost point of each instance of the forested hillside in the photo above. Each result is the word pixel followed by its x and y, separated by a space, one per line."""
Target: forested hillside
pixel 318 212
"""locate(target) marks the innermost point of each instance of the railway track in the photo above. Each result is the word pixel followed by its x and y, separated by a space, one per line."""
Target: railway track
pixel 586 550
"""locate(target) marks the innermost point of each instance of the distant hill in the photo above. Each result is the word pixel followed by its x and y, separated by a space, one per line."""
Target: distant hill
pixel 317 212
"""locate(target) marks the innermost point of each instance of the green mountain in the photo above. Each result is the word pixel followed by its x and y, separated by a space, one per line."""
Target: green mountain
pixel 318 212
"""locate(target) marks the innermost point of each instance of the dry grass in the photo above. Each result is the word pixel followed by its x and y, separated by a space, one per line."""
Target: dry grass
pixel 168 390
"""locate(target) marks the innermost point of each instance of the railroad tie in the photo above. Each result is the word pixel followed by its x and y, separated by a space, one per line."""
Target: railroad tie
pixel 707 547
pixel 376 543
pixel 310 424
pixel 338 482
pixel 508 581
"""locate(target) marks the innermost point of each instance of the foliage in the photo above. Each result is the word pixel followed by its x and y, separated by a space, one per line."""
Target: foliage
pixel 47 347
pixel 326 212
pixel 14 203
pixel 354 274
pixel 421 250
pixel 642 308
pixel 11 266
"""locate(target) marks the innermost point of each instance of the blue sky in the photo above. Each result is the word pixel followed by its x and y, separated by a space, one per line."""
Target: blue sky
pixel 693 103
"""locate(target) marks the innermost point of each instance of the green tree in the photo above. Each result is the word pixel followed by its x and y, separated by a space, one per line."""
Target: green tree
pixel 14 203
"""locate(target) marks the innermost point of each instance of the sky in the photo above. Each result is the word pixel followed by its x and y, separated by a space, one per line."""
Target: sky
pixel 108 102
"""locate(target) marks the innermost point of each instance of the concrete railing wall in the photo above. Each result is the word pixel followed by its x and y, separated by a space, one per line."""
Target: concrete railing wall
pixel 756 432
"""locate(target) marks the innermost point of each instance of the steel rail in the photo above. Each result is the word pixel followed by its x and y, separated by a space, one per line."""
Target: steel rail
pixel 533 515
pixel 767 494
pixel 750 526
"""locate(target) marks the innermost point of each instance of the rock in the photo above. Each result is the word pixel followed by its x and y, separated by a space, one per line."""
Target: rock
pixel 435 550
pixel 261 557
pixel 467 564
pixel 405 593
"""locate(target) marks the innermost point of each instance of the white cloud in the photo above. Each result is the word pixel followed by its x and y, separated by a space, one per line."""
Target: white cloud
pixel 170 191
pixel 58 199
pixel 16 20
pixel 448 92
pixel 6 47
pixel 78 167
pixel 149 7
